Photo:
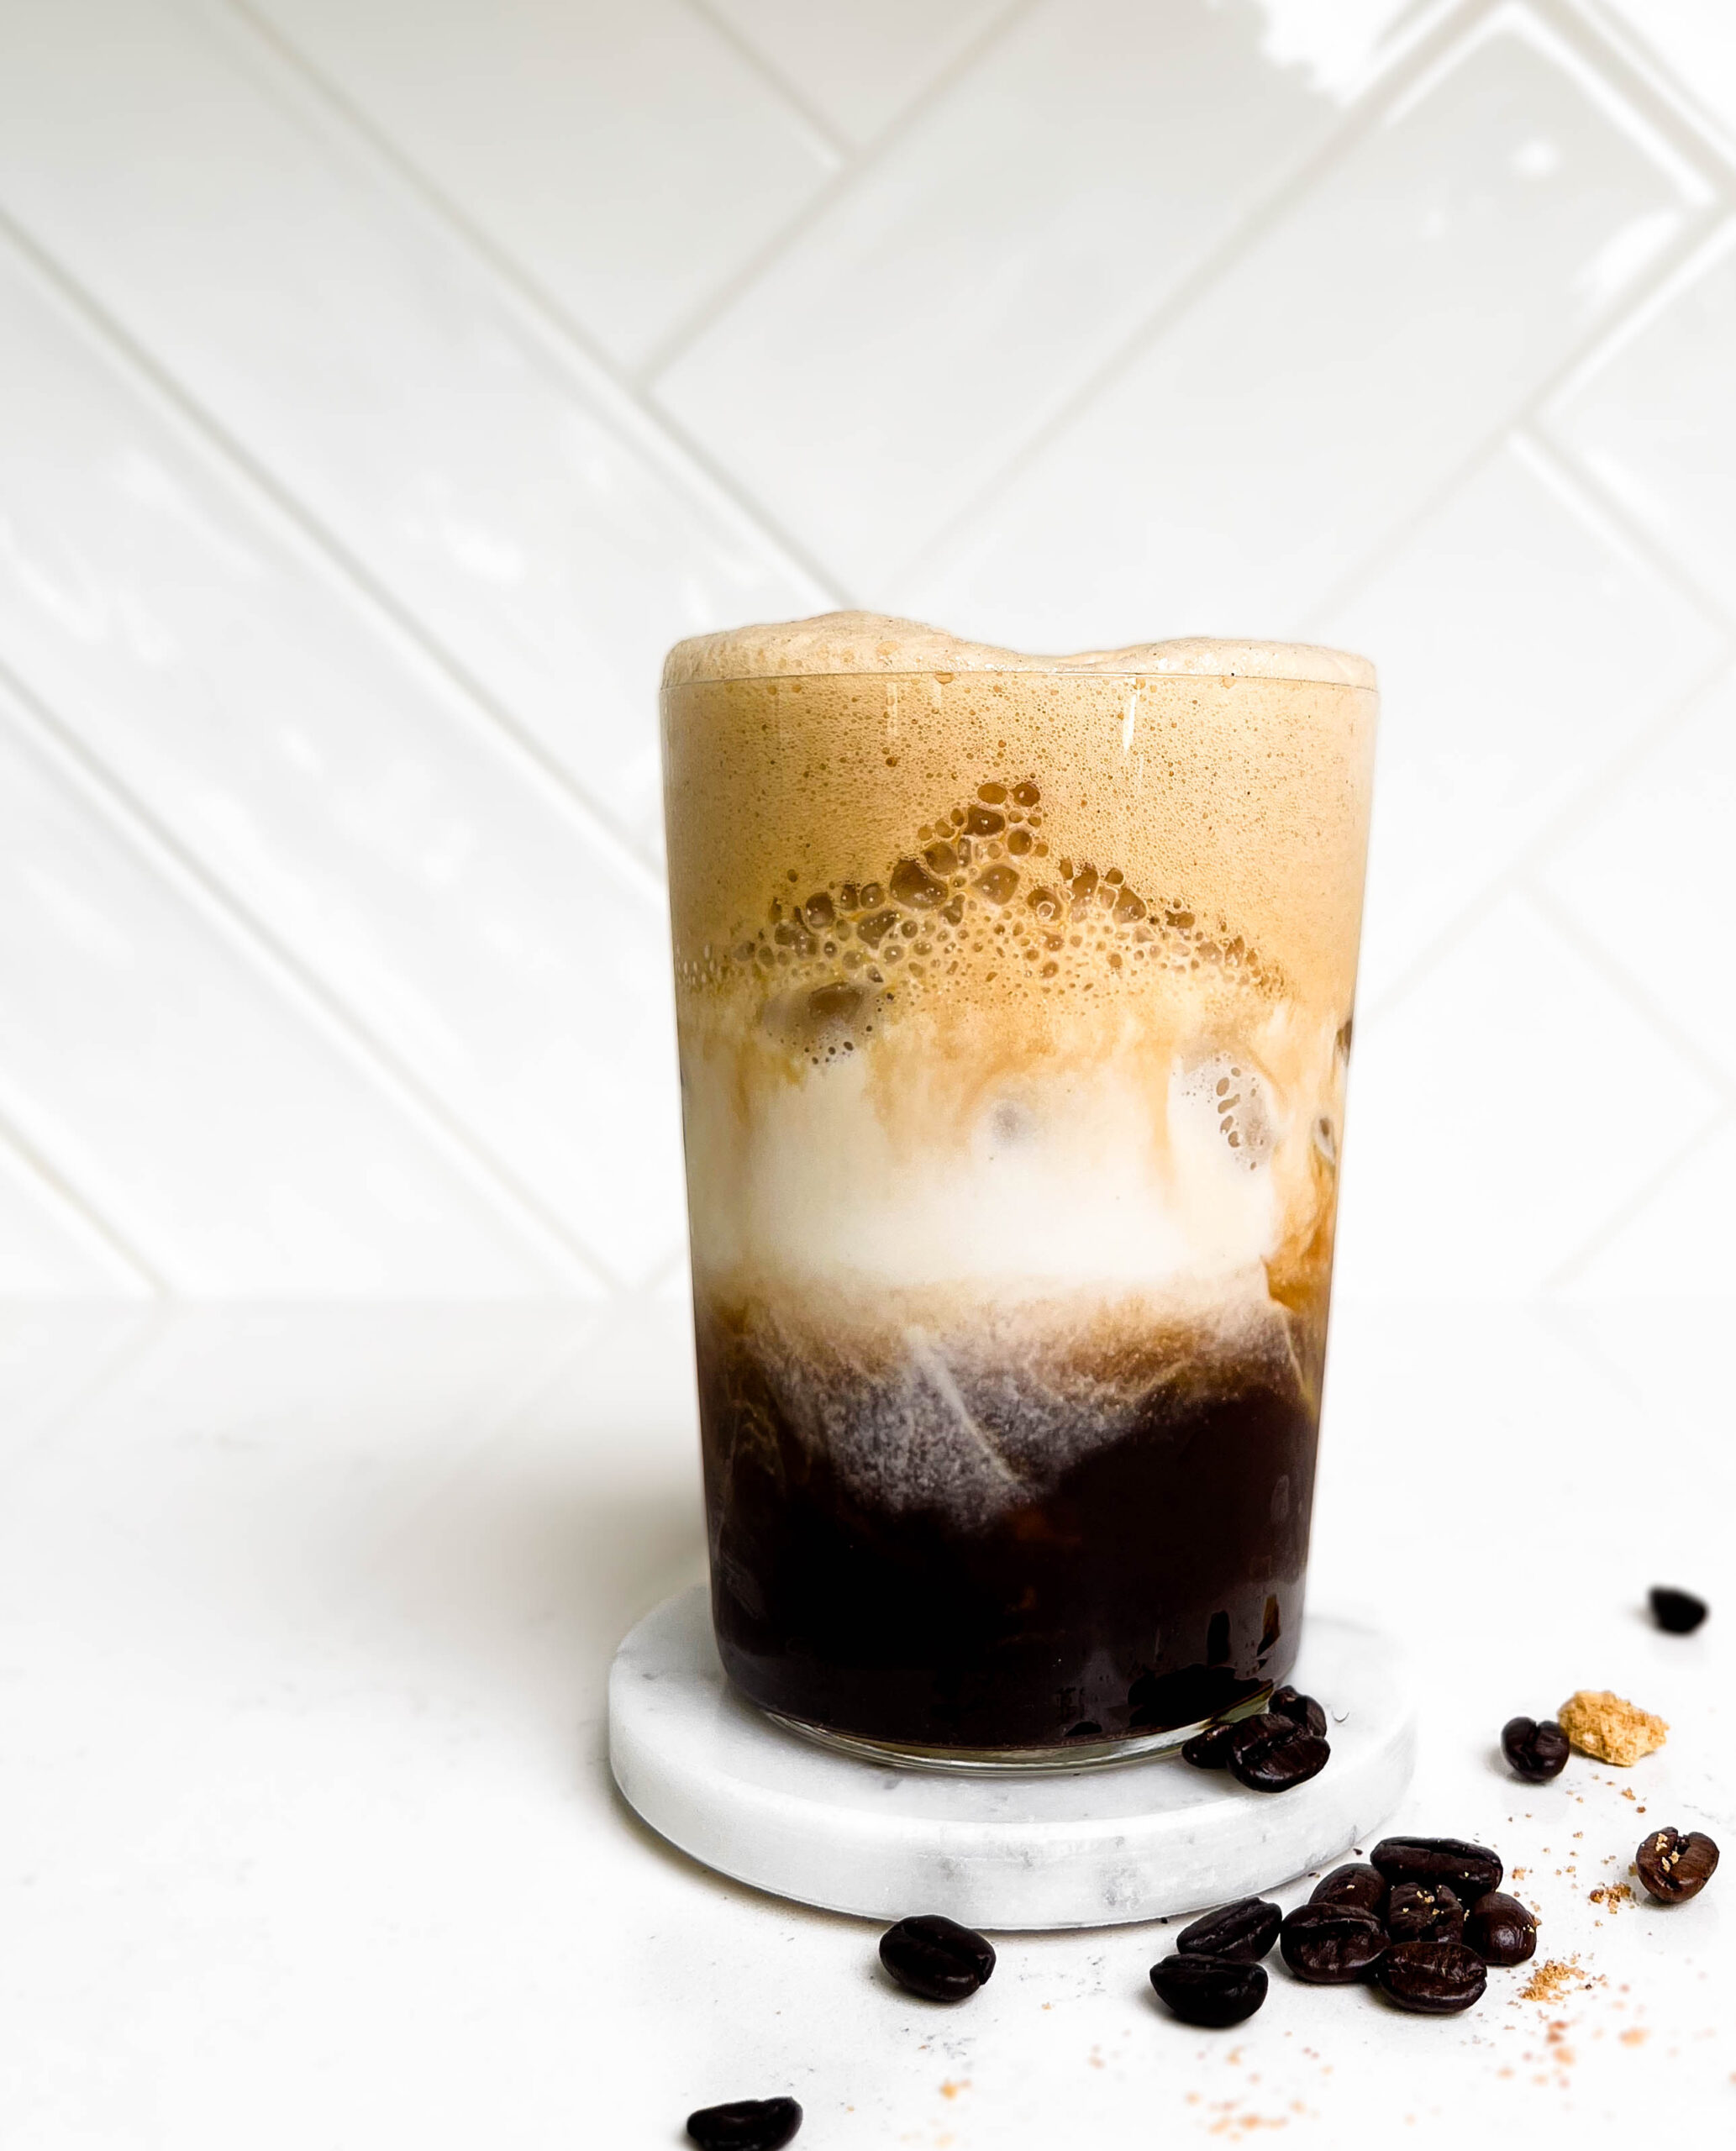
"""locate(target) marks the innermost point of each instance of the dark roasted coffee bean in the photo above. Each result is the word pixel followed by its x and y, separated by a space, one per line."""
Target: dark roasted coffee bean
pixel 1300 1710
pixel 745 2125
pixel 1678 1611
pixel 1210 1990
pixel 1271 1754
pixel 1675 1867
pixel 1239 1935
pixel 1363 1887
pixel 1209 1750
pixel 1436 1979
pixel 1424 1912
pixel 936 1957
pixel 1536 1748
pixel 1331 1945
pixel 1473 1871
pixel 1501 1930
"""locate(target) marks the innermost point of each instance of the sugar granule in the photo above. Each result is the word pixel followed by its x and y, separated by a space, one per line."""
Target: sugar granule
pixel 1614 1730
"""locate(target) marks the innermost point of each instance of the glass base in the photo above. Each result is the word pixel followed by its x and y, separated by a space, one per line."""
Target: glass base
pixel 1015 1762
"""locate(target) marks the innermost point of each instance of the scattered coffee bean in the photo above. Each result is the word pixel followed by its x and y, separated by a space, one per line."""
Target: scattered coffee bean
pixel 1300 1710
pixel 1536 1748
pixel 1678 1612
pixel 936 1957
pixel 1363 1887
pixel 1675 1867
pixel 1424 1912
pixel 1331 1945
pixel 745 2125
pixel 1272 1754
pixel 1501 1930
pixel 1239 1934
pixel 1436 1979
pixel 1473 1871
pixel 1209 1750
pixel 1209 1991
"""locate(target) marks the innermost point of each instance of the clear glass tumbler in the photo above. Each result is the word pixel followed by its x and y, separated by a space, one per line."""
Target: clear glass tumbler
pixel 1015 999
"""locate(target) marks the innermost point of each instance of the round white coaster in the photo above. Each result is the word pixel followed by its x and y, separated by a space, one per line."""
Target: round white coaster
pixel 1095 1847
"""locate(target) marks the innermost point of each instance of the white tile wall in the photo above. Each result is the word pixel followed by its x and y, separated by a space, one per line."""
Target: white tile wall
pixel 387 384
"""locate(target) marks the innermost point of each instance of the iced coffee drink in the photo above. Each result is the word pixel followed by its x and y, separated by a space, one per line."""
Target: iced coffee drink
pixel 1015 1000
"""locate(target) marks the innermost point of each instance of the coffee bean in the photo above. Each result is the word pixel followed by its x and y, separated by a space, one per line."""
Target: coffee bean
pixel 1536 1748
pixel 1501 1930
pixel 1331 1945
pixel 1677 1611
pixel 1300 1710
pixel 1675 1867
pixel 1271 1754
pixel 1436 1979
pixel 1424 1912
pixel 1363 1887
pixel 1209 1750
pixel 1210 1990
pixel 936 1957
pixel 1239 1935
pixel 745 2125
pixel 1473 1871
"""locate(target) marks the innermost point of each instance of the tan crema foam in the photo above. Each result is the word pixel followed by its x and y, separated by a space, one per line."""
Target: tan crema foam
pixel 1013 982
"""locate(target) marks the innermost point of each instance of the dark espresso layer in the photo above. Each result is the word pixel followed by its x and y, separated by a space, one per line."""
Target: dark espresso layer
pixel 1154 1581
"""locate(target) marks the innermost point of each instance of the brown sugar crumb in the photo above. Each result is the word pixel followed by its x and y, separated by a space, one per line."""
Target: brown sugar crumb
pixel 1603 1725
pixel 1553 1978
pixel 1636 2035
pixel 1612 1895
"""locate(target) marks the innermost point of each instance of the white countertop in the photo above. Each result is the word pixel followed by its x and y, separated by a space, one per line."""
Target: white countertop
pixel 308 1840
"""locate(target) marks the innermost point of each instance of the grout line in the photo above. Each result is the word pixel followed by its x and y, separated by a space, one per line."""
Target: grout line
pixel 1361 121
pixel 106 798
pixel 560 329
pixel 1571 815
pixel 524 752
pixel 773 76
pixel 91 1221
pixel 1618 42
pixel 1616 976
pixel 1625 1213
pixel 683 339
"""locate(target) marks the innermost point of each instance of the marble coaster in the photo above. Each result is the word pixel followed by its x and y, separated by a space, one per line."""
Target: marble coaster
pixel 1099 1847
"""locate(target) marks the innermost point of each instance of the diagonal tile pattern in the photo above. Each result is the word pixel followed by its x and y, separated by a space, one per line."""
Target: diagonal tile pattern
pixel 387 386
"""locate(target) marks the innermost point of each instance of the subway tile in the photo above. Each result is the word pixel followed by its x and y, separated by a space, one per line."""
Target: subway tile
pixel 1651 419
pixel 625 159
pixel 1502 1114
pixel 48 1250
pixel 1649 877
pixel 1521 646
pixel 860 63
pixel 883 368
pixel 1676 1245
pixel 1696 42
pixel 1272 440
pixel 523 512
pixel 159 1073
pixel 502 952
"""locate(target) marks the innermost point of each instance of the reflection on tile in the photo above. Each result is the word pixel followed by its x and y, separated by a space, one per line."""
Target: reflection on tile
pixel 1650 876
pixel 860 62
pixel 880 372
pixel 1678 1245
pixel 48 1249
pixel 1520 645
pixel 1652 420
pixel 1499 1115
pixel 149 1060
pixel 528 517
pixel 519 968
pixel 626 159
pixel 1337 374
